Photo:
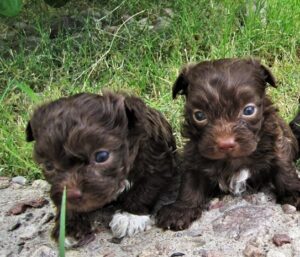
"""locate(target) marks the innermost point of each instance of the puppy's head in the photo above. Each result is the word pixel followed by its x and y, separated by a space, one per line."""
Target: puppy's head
pixel 81 144
pixel 225 104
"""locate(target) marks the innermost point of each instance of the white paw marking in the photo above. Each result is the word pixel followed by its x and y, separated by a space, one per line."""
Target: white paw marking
pixel 127 224
pixel 238 183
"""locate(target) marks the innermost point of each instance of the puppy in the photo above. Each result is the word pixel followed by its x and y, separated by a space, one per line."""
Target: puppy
pixel 295 126
pixel 235 139
pixel 103 148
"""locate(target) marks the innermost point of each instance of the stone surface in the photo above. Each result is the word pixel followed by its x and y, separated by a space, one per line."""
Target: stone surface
pixel 281 239
pixel 288 209
pixel 19 180
pixel 220 232
pixel 242 221
pixel 41 184
pixel 253 251
pixel 4 182
pixel 44 251
pixel 274 253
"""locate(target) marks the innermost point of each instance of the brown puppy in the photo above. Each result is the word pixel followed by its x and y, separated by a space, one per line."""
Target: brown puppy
pixel 236 140
pixel 103 148
pixel 295 126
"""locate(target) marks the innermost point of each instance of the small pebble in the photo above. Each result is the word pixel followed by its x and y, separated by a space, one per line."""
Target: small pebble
pixel 288 209
pixel 253 251
pixel 19 180
pixel 281 239
pixel 41 184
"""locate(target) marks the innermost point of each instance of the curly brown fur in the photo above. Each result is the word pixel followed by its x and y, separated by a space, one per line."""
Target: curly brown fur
pixel 295 126
pixel 235 138
pixel 73 137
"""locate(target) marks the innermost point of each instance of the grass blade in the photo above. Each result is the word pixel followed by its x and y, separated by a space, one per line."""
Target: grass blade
pixel 28 91
pixel 62 226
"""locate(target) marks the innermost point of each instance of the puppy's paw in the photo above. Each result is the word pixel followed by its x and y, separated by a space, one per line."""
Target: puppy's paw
pixel 127 224
pixel 176 218
pixel 292 200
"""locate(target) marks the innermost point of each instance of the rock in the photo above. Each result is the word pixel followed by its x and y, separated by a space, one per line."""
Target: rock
pixel 30 233
pixel 288 209
pixel 15 186
pixel 41 184
pixel 243 221
pixel 19 180
pixel 21 207
pixel 274 253
pixel 17 209
pixel 253 251
pixel 4 182
pixel 296 247
pixel 281 239
pixel 44 251
pixel 215 204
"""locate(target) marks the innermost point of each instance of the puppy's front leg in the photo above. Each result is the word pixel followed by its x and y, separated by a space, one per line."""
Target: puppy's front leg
pixel 287 183
pixel 78 229
pixel 136 206
pixel 188 207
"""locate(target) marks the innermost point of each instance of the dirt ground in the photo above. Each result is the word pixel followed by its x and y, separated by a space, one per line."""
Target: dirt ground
pixel 252 225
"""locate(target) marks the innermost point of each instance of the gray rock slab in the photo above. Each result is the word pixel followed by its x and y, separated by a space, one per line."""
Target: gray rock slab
pixel 225 230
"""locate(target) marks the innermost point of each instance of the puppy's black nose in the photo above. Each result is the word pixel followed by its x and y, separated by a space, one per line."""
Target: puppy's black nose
pixel 226 144
pixel 74 194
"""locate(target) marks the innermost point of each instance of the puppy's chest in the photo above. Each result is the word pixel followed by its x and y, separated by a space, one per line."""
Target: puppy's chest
pixel 235 184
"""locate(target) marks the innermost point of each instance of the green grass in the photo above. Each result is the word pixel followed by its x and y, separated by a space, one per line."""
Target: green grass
pixel 62 225
pixel 134 58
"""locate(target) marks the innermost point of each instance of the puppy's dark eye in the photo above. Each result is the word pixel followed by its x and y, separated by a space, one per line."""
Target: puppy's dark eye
pixel 199 116
pixel 249 110
pixel 102 156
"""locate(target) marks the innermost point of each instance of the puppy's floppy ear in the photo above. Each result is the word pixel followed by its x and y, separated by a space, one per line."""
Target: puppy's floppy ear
pixel 134 109
pixel 181 83
pixel 268 76
pixel 29 133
